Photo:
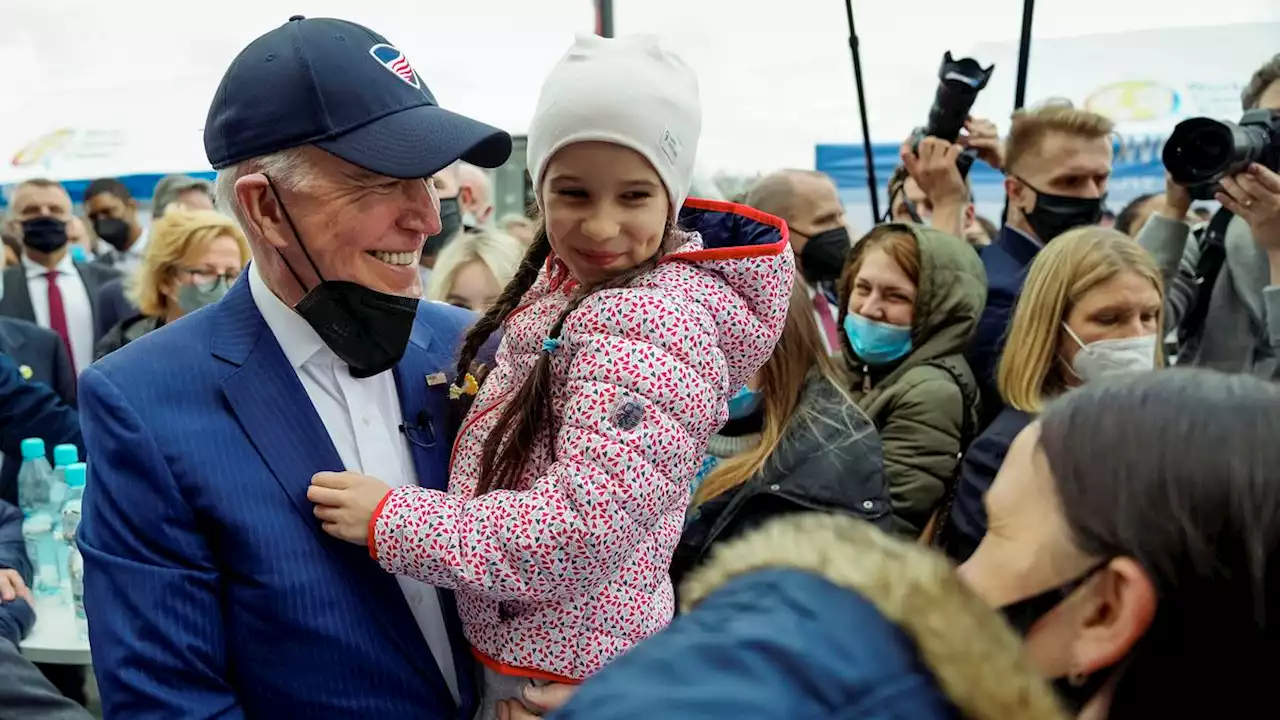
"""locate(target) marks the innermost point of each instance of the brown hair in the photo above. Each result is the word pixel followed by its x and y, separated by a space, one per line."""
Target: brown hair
pixel 1262 79
pixel 528 411
pixel 782 380
pixel 897 241
pixel 1029 128
pixel 1066 269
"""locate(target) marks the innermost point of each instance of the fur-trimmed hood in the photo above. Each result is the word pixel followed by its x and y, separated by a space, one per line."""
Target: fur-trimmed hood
pixel 976 659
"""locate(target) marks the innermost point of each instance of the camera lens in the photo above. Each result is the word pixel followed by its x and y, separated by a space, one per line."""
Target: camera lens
pixel 1202 150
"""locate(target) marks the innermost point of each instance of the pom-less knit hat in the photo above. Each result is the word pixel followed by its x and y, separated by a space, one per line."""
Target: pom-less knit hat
pixel 627 91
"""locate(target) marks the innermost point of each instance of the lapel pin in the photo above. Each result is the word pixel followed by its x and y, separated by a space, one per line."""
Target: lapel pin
pixel 26 372
pixel 436 379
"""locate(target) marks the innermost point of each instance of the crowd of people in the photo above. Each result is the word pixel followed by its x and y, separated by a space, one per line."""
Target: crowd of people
pixel 359 448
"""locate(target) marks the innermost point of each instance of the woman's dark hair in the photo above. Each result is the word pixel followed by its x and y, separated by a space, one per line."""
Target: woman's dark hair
pixel 1129 213
pixel 528 412
pixel 1180 471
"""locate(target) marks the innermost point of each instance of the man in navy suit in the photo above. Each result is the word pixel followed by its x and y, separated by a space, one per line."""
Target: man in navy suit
pixel 1057 161
pixel 41 358
pixel 211 589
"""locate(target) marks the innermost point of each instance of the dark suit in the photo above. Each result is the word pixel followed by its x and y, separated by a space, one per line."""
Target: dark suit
pixel 1006 261
pixel 16 302
pixel 41 351
pixel 112 307
pixel 30 409
pixel 198 536
pixel 967 524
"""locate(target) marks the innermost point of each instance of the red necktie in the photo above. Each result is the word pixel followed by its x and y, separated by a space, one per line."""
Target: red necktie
pixel 823 308
pixel 58 315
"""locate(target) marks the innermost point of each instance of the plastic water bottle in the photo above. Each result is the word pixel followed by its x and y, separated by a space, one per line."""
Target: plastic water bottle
pixel 35 477
pixel 37 533
pixel 75 571
pixel 74 475
pixel 63 455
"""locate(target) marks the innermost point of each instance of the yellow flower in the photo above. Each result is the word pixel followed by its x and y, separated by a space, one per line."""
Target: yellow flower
pixel 26 372
pixel 469 386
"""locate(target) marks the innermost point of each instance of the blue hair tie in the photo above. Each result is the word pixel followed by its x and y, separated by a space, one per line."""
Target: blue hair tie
pixel 550 345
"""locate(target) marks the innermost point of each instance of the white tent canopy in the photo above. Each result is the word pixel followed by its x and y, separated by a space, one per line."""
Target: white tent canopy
pixel 122 88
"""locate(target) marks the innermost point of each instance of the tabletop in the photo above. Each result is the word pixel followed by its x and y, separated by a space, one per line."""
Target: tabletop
pixel 55 639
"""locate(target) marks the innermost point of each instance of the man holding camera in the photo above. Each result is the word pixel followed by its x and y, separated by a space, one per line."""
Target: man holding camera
pixel 928 188
pixel 1057 160
pixel 1227 317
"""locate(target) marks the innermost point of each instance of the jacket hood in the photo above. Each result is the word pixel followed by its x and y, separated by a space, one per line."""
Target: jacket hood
pixel 949 300
pixel 975 657
pixel 747 249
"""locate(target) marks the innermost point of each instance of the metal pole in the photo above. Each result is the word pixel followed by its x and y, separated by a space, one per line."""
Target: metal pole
pixel 862 111
pixel 1024 54
pixel 604 18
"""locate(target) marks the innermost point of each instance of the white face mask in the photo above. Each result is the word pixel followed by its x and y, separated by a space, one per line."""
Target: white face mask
pixel 1108 358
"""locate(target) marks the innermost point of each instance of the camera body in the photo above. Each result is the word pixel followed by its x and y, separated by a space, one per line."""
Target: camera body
pixel 959 82
pixel 1202 151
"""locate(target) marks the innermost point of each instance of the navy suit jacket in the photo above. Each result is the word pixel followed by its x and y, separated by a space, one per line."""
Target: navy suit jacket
pixel 42 351
pixel 1006 261
pixel 30 409
pixel 210 587
pixel 16 616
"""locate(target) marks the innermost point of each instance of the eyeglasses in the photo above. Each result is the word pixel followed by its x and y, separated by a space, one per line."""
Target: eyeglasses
pixel 206 279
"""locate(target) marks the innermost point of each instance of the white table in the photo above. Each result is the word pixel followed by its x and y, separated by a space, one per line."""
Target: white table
pixel 55 639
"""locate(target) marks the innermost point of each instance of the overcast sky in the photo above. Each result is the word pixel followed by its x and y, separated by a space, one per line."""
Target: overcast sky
pixel 776 76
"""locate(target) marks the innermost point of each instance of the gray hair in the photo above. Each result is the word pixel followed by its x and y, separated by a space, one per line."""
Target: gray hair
pixel 290 169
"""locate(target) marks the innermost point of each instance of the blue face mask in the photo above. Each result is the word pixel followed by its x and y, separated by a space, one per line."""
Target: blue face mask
pixel 743 403
pixel 876 343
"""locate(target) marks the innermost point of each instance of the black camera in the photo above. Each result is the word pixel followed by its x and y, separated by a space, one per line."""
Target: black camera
pixel 1202 151
pixel 958 87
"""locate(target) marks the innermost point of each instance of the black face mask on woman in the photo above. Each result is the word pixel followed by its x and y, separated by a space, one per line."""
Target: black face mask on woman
pixel 1053 215
pixel 823 256
pixel 366 329
pixel 1025 613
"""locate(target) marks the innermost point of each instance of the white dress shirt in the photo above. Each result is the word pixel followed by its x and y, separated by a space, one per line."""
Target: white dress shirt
pixel 363 418
pixel 75 303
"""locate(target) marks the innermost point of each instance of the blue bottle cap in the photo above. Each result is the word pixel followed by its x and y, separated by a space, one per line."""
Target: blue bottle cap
pixel 32 448
pixel 65 454
pixel 76 474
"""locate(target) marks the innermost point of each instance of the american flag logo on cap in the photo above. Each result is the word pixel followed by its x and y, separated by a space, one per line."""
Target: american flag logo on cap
pixel 395 61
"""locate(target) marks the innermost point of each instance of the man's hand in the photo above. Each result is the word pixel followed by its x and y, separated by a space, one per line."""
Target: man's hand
pixel 12 587
pixel 933 166
pixel 983 138
pixel 345 502
pixel 1255 196
pixel 547 698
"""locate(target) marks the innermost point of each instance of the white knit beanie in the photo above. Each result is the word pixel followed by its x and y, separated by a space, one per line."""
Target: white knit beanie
pixel 627 91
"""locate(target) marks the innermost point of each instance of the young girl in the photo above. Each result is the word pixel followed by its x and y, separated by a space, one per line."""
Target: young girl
pixel 624 338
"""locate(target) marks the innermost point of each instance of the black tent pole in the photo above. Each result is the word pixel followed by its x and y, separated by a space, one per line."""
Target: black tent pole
pixel 1024 54
pixel 862 111
pixel 604 18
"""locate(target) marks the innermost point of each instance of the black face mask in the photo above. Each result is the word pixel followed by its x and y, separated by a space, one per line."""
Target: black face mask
pixel 1023 615
pixel 366 329
pixel 823 256
pixel 450 224
pixel 44 234
pixel 1053 215
pixel 114 231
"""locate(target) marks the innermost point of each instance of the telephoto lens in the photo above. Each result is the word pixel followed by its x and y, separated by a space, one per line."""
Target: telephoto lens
pixel 1202 151
pixel 958 86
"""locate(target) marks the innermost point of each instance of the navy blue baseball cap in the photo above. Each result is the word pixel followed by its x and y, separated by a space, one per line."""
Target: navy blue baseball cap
pixel 345 89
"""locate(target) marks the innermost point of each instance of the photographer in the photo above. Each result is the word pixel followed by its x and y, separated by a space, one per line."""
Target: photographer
pixel 928 187
pixel 1230 332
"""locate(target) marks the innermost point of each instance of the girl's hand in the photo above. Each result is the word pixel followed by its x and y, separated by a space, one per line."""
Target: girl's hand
pixel 345 502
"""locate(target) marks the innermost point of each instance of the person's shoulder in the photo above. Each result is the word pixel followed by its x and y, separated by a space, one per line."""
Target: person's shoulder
pixel 443 318
pixel 106 273
pixel 27 330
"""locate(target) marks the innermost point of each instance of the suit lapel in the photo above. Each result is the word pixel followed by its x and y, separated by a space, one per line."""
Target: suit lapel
pixel 17 295
pixel 272 406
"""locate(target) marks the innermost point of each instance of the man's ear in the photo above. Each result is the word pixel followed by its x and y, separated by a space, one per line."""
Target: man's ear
pixel 260 209
pixel 969 214
pixel 1122 607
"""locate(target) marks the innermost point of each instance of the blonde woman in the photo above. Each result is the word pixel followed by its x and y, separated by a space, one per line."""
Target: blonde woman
pixel 472 270
pixel 1092 307
pixel 191 260
pixel 795 441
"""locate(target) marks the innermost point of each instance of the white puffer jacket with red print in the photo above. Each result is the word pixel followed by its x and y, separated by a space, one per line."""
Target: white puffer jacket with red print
pixel 571 570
